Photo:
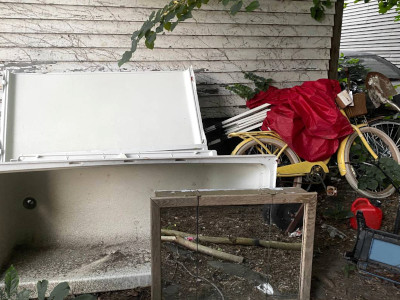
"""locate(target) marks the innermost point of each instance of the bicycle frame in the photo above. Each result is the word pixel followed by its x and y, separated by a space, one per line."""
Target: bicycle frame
pixel 304 167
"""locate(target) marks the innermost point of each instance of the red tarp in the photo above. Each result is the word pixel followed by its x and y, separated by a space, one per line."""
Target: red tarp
pixel 306 117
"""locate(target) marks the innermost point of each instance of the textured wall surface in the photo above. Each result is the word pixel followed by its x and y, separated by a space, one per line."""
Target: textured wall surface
pixel 365 30
pixel 280 40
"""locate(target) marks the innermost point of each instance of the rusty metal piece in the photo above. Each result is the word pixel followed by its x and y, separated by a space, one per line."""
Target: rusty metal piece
pixel 380 88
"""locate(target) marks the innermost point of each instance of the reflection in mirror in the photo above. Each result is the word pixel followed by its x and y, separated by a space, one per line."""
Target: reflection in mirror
pixel 240 254
pixel 178 263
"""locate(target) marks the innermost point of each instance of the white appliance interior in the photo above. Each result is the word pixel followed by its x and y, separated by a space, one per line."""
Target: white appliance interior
pixel 91 225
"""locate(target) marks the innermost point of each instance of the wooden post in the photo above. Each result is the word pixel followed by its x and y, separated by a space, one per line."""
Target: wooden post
pixel 310 209
pixel 335 41
pixel 155 251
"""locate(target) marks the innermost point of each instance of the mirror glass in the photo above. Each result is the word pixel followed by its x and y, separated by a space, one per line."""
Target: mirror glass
pixel 242 253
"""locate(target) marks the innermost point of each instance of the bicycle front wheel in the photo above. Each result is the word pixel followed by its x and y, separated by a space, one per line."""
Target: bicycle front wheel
pixel 390 127
pixel 383 146
pixel 273 146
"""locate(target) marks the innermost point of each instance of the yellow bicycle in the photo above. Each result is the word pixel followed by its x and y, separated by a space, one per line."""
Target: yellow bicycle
pixel 291 169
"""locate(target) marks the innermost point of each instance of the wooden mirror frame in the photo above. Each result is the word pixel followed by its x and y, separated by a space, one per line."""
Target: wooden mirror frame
pixel 171 199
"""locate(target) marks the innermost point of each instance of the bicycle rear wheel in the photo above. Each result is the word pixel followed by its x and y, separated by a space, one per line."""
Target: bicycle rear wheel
pixel 383 146
pixel 390 127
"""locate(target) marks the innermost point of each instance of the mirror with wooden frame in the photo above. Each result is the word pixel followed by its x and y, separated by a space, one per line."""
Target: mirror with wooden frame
pixel 224 245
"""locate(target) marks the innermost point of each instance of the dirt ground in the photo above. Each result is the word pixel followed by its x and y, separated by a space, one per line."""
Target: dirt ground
pixel 279 268
pixel 333 276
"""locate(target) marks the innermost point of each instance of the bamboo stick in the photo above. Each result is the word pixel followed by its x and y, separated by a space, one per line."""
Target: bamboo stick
pixel 235 240
pixel 203 249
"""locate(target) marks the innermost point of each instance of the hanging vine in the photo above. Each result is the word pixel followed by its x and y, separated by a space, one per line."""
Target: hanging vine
pixel 168 17
pixel 177 11
pixel 246 92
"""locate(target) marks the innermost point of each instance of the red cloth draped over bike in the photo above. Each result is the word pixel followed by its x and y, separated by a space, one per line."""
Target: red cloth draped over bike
pixel 306 117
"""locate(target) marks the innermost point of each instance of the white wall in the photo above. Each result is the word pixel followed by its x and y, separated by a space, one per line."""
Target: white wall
pixel 365 30
pixel 280 41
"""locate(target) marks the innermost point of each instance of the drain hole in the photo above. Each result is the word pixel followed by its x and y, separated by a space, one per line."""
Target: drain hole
pixel 29 203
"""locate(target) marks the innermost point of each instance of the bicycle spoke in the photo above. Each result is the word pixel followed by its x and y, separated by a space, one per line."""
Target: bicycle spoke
pixel 391 128
pixel 393 133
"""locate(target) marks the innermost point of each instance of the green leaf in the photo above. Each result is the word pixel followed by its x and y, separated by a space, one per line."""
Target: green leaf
pixel 328 3
pixel 152 15
pixel 145 27
pixel 170 16
pixel 313 11
pixel 134 45
pixel 252 6
pixel 149 45
pixel 367 182
pixel 23 295
pixel 41 289
pixel 236 7
pixel 86 297
pixel 167 26
pixel 60 291
pixel 225 2
pixel 135 35
pixel 158 17
pixel 317 13
pixel 160 28
pixel 362 183
pixel 151 36
pixel 373 184
pixel 174 25
pixel 186 16
pixel 180 8
pixel 125 58
pixel 11 282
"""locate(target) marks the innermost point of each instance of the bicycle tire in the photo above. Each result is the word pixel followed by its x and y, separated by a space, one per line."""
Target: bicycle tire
pixel 249 148
pixel 383 147
pixel 390 127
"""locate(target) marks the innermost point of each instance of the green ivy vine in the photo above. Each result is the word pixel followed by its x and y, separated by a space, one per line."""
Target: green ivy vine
pixel 318 10
pixel 246 92
pixel 11 290
pixel 177 11
pixel 168 17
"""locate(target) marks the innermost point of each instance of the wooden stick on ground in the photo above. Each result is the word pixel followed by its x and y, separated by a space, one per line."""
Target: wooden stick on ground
pixel 202 249
pixel 235 240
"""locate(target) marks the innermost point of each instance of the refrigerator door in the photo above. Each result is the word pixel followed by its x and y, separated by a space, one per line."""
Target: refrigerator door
pixel 99 113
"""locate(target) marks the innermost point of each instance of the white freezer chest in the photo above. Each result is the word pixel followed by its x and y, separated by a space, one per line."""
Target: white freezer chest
pixel 91 150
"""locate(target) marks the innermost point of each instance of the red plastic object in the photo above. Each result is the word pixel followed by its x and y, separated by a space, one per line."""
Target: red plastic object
pixel 372 214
